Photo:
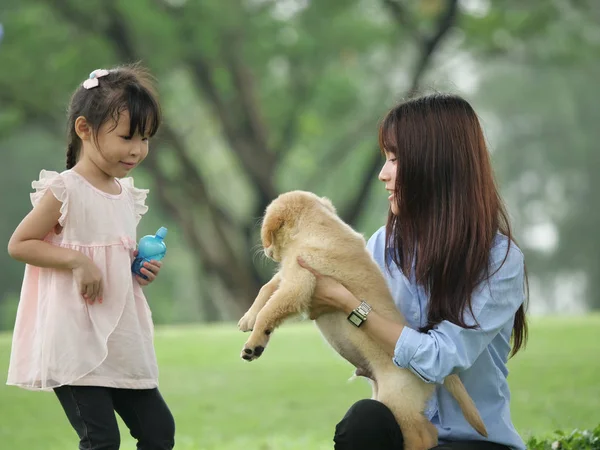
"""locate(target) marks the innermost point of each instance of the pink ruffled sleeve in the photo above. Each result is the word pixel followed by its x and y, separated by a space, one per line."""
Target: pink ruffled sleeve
pixel 55 182
pixel 138 196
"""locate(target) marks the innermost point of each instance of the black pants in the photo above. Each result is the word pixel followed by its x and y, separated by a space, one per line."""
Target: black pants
pixel 370 425
pixel 91 412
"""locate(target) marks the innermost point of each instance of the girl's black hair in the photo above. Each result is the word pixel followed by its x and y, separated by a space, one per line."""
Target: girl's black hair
pixel 125 88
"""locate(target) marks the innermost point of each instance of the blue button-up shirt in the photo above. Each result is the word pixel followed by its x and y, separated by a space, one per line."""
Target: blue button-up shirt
pixel 477 355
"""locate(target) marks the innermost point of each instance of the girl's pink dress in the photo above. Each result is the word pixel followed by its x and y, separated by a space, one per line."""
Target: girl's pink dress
pixel 59 338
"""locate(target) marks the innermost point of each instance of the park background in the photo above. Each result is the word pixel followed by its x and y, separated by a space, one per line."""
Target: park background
pixel 265 96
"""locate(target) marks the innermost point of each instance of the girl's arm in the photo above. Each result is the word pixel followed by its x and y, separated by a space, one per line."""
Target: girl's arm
pixel 447 348
pixel 27 242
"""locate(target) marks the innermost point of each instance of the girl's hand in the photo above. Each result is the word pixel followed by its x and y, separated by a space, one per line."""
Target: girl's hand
pixel 330 295
pixel 89 279
pixel 150 270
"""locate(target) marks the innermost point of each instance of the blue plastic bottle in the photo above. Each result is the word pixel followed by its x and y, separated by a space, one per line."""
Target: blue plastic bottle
pixel 150 248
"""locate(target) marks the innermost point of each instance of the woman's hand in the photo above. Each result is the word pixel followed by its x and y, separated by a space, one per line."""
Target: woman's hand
pixel 89 279
pixel 330 295
pixel 150 269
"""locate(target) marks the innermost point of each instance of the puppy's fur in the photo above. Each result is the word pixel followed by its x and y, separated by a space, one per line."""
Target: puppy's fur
pixel 302 224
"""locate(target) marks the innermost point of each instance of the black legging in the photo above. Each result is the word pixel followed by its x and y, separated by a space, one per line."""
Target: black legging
pixel 370 425
pixel 91 411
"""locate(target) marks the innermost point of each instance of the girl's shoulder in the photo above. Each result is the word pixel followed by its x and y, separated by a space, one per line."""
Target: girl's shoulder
pixel 129 185
pixel 66 185
pixel 77 194
pixel 55 182
pixel 68 179
pixel 47 178
pixel 138 196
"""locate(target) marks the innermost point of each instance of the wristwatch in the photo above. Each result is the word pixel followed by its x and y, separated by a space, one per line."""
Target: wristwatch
pixel 359 315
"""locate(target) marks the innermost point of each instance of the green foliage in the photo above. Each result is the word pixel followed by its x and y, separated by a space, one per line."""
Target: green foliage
pixel 559 32
pixel 575 440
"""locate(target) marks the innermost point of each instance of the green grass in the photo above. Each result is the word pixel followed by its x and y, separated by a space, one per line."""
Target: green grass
pixel 294 395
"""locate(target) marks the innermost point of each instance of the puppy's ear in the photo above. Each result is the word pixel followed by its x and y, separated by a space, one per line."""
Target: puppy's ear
pixel 327 203
pixel 272 222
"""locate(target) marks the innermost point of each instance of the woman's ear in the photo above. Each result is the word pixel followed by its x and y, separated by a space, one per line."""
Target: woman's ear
pixel 83 129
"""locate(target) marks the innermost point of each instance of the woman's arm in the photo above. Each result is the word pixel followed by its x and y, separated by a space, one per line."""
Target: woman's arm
pixel 447 348
pixel 329 294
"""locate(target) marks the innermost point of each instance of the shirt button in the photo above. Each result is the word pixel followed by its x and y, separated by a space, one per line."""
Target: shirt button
pixel 415 316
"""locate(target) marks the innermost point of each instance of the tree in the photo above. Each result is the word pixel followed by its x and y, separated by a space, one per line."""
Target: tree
pixel 270 98
pixel 260 96
pixel 545 138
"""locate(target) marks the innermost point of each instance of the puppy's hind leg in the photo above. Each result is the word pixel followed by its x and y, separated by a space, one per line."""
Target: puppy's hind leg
pixel 366 373
pixel 246 323
pixel 292 297
pixel 400 392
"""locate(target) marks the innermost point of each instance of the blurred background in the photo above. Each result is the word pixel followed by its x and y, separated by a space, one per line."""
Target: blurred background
pixel 265 96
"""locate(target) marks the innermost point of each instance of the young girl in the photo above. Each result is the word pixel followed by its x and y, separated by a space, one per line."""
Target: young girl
pixel 456 275
pixel 83 327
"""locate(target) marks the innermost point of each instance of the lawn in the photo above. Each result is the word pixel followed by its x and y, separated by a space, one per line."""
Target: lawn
pixel 294 395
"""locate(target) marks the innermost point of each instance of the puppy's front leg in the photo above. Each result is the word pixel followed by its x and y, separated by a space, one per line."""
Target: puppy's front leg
pixel 246 323
pixel 292 297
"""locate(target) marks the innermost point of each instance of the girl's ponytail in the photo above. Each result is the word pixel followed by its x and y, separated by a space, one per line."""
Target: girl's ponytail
pixel 71 156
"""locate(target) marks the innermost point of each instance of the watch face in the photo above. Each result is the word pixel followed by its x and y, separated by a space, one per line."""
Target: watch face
pixel 355 319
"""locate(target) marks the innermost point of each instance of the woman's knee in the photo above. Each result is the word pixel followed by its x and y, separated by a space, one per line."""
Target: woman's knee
pixel 368 424
pixel 368 412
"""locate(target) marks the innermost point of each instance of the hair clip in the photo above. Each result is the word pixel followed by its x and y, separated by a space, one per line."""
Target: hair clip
pixel 92 81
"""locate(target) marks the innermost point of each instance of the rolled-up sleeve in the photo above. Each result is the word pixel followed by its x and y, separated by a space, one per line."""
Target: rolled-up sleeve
pixel 448 348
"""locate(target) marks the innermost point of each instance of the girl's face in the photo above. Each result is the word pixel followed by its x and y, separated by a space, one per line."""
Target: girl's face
pixel 117 153
pixel 387 176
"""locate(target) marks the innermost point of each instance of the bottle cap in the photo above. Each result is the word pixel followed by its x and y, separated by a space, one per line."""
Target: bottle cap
pixel 161 233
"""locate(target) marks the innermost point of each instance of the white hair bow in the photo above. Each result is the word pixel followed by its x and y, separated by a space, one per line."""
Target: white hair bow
pixel 92 81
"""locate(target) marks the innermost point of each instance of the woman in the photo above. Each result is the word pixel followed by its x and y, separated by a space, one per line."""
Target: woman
pixel 454 271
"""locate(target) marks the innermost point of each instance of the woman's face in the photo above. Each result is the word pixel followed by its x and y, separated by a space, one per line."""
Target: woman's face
pixel 387 176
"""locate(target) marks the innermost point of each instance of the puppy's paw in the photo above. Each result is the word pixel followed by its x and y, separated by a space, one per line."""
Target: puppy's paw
pixel 250 354
pixel 247 322
pixel 255 346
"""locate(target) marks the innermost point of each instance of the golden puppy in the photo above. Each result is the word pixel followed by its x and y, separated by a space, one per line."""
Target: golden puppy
pixel 302 224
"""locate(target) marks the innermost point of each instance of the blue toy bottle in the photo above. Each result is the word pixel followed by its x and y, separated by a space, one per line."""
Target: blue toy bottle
pixel 150 248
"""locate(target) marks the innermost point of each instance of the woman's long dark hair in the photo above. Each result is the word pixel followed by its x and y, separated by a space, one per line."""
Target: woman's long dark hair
pixel 449 208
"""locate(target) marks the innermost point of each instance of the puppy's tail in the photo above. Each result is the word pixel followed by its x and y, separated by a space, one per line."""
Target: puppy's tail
pixel 455 386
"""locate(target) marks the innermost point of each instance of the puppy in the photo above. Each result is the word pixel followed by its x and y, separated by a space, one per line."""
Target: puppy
pixel 302 224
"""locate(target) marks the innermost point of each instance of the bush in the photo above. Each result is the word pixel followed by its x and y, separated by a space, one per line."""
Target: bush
pixel 576 440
